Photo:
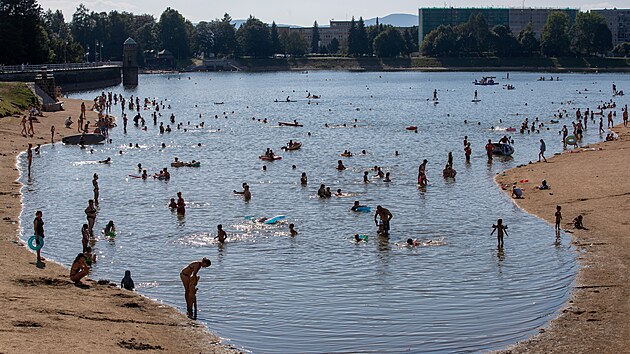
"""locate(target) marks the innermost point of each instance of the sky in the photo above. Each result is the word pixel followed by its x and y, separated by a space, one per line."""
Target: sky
pixel 301 12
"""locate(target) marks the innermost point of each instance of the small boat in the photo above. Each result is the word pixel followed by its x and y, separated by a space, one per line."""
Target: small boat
pixel 295 146
pixel 85 139
pixel 219 103
pixel 486 81
pixel 269 158
pixel 290 124
pixel 502 149
pixel 412 127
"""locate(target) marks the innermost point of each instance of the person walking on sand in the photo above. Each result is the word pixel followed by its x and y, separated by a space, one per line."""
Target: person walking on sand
pixel 500 229
pixel 29 158
pixel 90 213
pixel 31 129
pixel 23 123
pixel 385 216
pixel 38 228
pixel 52 134
pixel 543 148
pixel 186 275
pixel 625 116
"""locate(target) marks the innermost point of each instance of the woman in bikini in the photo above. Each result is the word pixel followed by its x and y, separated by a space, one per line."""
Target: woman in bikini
pixel 79 269
pixel 95 184
pixel 90 213
pixel 186 276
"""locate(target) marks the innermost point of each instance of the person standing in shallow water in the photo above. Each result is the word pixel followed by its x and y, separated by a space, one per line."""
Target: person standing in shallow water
pixel 186 275
pixel 38 228
pixel 29 158
pixel 95 185
pixel 181 204
pixel 543 148
pixel 500 229
pixel 90 213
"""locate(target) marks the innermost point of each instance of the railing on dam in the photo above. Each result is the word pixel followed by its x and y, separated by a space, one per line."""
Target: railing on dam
pixel 57 67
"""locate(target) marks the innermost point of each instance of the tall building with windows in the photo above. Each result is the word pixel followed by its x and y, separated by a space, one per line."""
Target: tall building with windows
pixel 515 18
pixel 618 22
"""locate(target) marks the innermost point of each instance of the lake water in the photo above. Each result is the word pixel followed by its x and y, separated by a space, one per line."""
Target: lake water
pixel 320 291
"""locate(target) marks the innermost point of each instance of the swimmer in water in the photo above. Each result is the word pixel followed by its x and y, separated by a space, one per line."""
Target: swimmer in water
pixel 356 206
pixel 144 174
pixel 292 230
pixel 412 242
pixel 107 160
pixel 338 193
pixel 172 204
pixel 387 179
pixel 247 195
pixel 500 229
pixel 303 179
pixel 366 179
pixel 221 235
pixel 340 165
pixel 321 192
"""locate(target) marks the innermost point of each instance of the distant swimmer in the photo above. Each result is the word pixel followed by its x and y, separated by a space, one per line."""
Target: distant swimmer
pixel 107 160
pixel 172 204
pixel 292 230
pixel 422 177
pixel 356 206
pixel 500 229
pixel 366 178
pixel 247 195
pixel 340 165
pixel 303 179
pixel 221 235
pixel 339 193
pixel 321 192
pixel 387 179
pixel 385 216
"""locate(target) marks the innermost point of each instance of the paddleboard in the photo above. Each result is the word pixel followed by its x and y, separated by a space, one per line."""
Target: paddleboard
pixel 274 220
pixel 363 209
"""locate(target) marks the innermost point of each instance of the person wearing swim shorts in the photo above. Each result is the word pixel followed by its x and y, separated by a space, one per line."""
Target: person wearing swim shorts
pixel 385 216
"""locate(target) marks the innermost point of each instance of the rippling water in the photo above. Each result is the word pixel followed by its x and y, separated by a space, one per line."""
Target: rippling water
pixel 320 291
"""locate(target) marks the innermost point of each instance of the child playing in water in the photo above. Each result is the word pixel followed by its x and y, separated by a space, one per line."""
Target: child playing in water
pixel 500 229
pixel 412 242
pixel 127 282
pixel 89 257
pixel 359 238
pixel 110 229
pixel 292 230
pixel 172 204
pixel 221 235
pixel 558 217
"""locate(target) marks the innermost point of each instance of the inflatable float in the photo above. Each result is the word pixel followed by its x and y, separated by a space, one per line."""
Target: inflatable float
pixel 268 158
pixel 32 243
pixel 85 139
pixel 290 124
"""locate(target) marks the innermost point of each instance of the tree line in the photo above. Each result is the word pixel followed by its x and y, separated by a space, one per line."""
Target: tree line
pixel 28 34
pixel 589 35
pixel 38 36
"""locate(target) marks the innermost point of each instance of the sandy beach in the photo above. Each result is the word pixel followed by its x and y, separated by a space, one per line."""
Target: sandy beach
pixel 592 182
pixel 43 311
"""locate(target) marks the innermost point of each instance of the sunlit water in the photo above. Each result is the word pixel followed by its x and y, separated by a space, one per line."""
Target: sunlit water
pixel 320 291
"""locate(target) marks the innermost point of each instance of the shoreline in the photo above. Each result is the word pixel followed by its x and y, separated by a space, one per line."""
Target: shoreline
pixel 43 310
pixel 593 183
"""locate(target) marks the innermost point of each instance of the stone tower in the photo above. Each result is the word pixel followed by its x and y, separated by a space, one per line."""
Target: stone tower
pixel 130 62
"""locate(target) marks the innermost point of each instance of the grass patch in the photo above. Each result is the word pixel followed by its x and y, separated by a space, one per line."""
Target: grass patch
pixel 15 97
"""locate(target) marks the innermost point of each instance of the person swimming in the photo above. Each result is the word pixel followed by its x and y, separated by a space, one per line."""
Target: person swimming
pixel 340 165
pixel 356 206
pixel 221 235
pixel 292 230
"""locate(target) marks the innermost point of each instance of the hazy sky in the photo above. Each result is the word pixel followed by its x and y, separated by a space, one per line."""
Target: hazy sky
pixel 301 12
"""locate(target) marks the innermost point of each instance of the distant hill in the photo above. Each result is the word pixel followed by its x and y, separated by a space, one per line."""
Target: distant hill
pixel 396 20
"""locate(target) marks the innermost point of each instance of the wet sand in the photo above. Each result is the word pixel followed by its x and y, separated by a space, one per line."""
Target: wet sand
pixel 595 184
pixel 43 311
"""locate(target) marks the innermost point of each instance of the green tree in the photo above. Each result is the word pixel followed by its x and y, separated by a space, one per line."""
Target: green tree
pixel 224 36
pixel 23 38
pixel 333 46
pixel 504 44
pixel 440 42
pixel 352 38
pixel 363 45
pixel 173 33
pixel 473 37
pixel 276 46
pixel 554 39
pixel 63 48
pixel 254 38
pixel 372 33
pixel 294 44
pixel 315 38
pixel 411 40
pixel 389 43
pixel 527 39
pixel 205 38
pixel 590 34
